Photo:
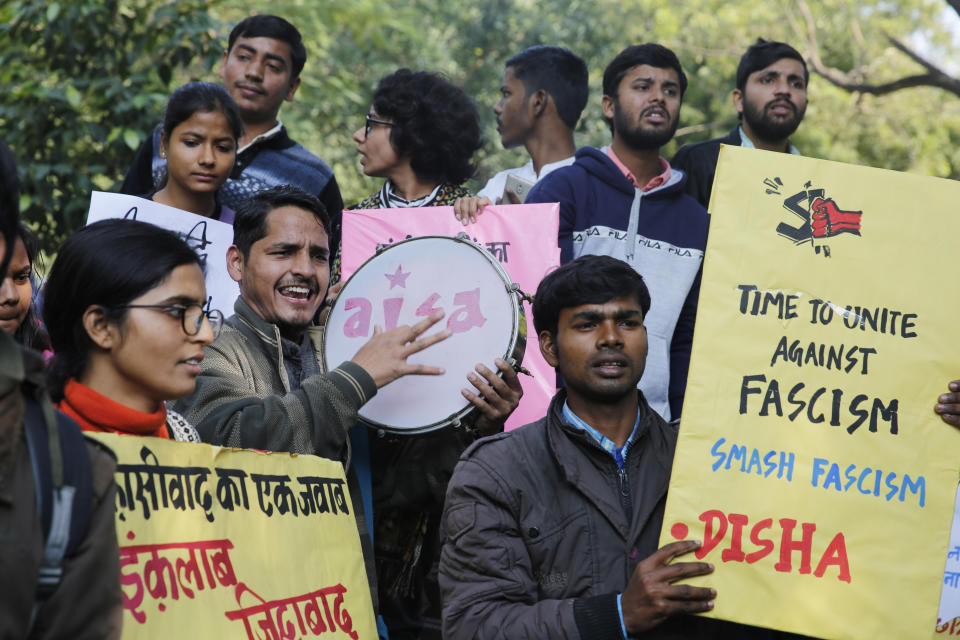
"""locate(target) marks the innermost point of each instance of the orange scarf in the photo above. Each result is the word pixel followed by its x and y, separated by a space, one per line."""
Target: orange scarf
pixel 96 412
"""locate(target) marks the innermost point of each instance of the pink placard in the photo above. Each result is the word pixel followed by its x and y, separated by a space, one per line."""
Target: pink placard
pixel 522 237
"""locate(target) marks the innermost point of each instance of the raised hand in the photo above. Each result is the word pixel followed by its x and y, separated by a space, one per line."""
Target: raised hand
pixel 385 355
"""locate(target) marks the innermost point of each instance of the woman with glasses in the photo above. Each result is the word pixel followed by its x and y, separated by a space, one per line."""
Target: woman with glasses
pixel 420 134
pixel 126 311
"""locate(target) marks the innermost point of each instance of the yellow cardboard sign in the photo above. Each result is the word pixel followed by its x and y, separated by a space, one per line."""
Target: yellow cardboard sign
pixel 810 461
pixel 221 543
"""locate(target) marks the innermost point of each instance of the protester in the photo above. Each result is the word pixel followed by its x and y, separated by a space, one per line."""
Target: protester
pixel 125 309
pixel 551 530
pixel 201 130
pixel 625 201
pixel 49 591
pixel 420 134
pixel 261 70
pixel 17 314
pixel 262 384
pixel 770 99
pixel 543 93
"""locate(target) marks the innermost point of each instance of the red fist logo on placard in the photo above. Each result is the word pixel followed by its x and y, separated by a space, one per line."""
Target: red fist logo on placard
pixel 827 220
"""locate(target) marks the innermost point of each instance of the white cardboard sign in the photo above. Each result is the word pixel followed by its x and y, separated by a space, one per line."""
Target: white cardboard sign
pixel 209 238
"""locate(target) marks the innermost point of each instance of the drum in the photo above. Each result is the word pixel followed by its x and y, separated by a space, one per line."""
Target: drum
pixel 402 284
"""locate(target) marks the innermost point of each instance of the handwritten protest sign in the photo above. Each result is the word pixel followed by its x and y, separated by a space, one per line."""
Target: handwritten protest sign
pixel 209 238
pixel 810 461
pixel 522 237
pixel 219 543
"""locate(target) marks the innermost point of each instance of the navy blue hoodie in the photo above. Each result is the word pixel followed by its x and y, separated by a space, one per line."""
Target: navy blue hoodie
pixel 661 233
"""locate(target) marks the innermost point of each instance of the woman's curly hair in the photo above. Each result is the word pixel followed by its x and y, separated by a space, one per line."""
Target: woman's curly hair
pixel 435 123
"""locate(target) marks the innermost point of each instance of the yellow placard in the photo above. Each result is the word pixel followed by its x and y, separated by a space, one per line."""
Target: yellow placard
pixel 222 543
pixel 810 460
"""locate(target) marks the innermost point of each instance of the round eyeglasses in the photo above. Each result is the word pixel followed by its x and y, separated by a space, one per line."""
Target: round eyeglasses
pixel 191 316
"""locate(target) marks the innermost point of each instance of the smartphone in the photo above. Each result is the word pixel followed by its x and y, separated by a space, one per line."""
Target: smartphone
pixel 518 185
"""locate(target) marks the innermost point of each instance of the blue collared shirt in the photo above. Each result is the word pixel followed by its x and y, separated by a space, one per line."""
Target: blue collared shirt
pixel 619 453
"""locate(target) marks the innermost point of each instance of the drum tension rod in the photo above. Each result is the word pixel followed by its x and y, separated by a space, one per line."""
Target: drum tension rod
pixel 513 287
pixel 517 366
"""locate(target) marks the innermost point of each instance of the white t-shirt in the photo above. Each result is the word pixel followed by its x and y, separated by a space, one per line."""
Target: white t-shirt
pixel 495 185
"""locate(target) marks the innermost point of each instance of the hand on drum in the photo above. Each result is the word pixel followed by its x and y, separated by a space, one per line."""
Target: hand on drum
pixel 385 355
pixel 497 398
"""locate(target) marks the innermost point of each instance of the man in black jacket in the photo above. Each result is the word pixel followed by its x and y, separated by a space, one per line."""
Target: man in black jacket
pixel 551 530
pixel 770 99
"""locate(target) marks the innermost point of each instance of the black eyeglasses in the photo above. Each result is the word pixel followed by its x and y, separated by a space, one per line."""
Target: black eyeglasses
pixel 373 121
pixel 191 316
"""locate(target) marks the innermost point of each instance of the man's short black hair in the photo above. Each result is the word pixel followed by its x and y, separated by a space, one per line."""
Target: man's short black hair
pixel 589 279
pixel 559 72
pixel 434 122
pixel 651 54
pixel 250 222
pixel 267 26
pixel 764 53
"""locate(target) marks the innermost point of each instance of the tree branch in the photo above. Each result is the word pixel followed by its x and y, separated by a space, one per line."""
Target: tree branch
pixel 916 57
pixel 853 80
pixel 923 80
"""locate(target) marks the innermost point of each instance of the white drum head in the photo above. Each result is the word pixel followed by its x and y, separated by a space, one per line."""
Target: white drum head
pixel 401 286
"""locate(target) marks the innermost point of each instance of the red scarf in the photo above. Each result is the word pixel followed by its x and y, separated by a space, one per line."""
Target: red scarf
pixel 96 412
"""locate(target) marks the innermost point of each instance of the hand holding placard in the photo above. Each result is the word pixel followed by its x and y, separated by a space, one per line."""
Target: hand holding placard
pixel 651 595
pixel 948 405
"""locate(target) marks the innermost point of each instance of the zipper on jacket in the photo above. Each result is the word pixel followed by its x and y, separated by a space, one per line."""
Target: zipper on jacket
pixel 625 499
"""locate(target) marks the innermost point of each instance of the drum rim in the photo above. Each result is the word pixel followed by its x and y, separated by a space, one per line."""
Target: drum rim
pixel 454 419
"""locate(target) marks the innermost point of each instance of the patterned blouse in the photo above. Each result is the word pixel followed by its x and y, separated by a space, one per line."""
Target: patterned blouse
pixel 443 195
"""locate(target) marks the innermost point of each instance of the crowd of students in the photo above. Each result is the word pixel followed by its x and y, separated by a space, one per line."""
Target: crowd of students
pixel 126 328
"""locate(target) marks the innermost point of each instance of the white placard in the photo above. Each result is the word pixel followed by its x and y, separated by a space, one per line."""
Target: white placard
pixel 209 238
pixel 948 619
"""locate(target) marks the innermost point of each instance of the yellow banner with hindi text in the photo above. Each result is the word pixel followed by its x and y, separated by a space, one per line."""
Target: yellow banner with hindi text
pixel 222 543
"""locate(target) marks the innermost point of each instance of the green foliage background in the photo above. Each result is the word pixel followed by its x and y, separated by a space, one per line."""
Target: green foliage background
pixel 85 80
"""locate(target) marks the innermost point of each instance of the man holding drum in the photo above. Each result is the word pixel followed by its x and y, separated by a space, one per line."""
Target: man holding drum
pixel 262 385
